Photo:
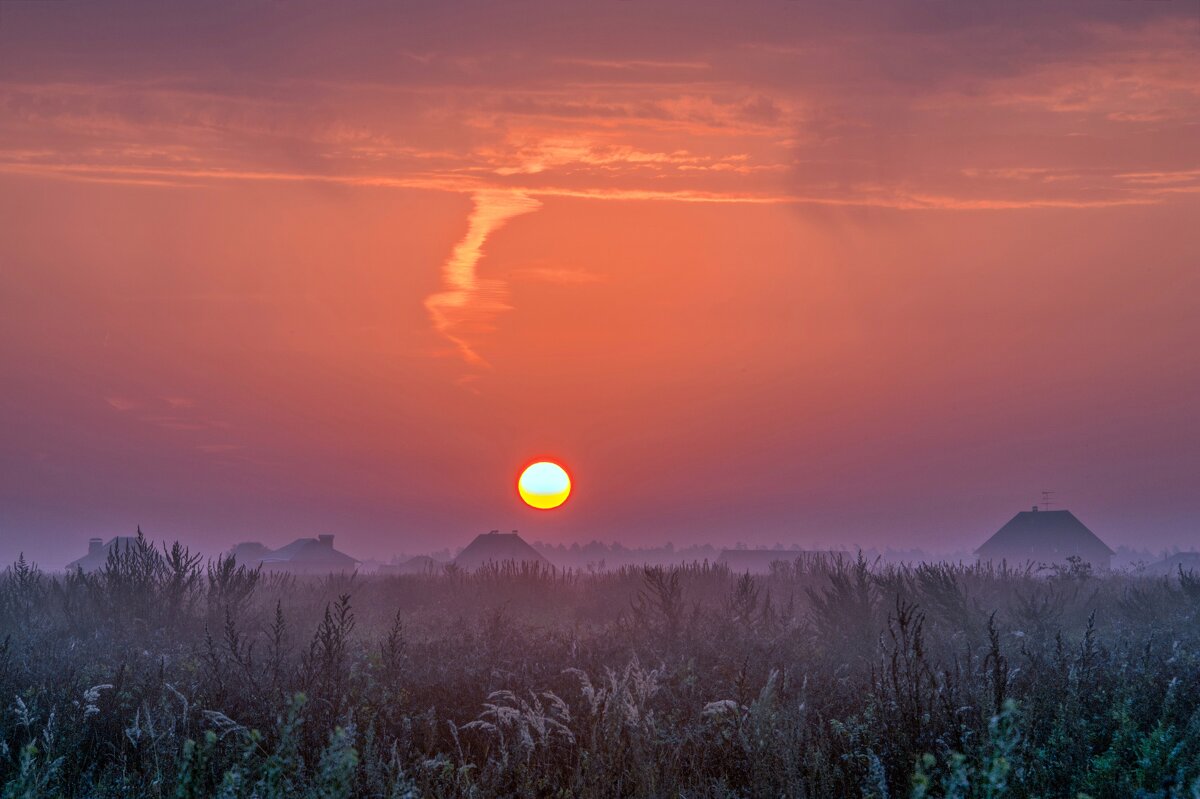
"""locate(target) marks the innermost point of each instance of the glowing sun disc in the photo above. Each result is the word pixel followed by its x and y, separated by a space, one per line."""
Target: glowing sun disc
pixel 544 485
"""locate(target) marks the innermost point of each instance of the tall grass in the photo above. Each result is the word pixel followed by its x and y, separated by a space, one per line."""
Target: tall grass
pixel 161 675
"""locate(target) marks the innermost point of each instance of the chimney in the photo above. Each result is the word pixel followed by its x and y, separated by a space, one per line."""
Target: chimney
pixel 326 540
pixel 95 546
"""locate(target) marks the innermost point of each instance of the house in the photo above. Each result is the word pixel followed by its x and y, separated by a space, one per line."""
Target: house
pixel 249 553
pixel 1172 565
pixel 1045 537
pixel 302 556
pixel 758 561
pixel 97 554
pixel 497 547
pixel 309 556
pixel 421 564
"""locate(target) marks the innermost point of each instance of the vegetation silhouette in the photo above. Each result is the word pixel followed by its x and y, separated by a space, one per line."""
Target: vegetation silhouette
pixel 163 675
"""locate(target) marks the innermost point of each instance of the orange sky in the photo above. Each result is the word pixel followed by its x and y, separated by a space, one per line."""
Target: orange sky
pixel 872 274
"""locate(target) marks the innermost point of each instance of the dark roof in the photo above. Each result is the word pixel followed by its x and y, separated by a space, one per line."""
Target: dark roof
pixel 310 554
pixel 97 557
pixel 497 548
pixel 1188 561
pixel 249 553
pixel 421 564
pixel 1037 532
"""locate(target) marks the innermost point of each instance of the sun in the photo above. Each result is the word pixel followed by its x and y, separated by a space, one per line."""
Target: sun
pixel 544 485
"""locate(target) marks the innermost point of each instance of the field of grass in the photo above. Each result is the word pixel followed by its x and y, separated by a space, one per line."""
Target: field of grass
pixel 164 676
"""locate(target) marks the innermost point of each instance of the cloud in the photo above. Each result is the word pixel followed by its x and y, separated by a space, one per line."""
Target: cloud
pixel 635 64
pixel 535 152
pixel 739 123
pixel 913 117
pixel 121 404
pixel 899 197
pixel 468 303
pixel 177 423
pixel 217 449
pixel 866 196
pixel 1173 177
pixel 560 275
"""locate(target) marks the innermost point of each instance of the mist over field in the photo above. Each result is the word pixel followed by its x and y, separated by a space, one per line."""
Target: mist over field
pixel 827 676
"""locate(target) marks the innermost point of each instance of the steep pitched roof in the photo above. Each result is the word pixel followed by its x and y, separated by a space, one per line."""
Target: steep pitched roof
pixel 249 553
pixel 1188 561
pixel 421 564
pixel 97 556
pixel 497 548
pixel 310 553
pixel 1040 531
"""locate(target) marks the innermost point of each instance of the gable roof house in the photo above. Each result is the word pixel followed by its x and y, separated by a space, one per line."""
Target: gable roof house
pixel 1045 537
pixel 420 564
pixel 249 553
pixel 97 554
pixel 497 547
pixel 302 556
pixel 1173 564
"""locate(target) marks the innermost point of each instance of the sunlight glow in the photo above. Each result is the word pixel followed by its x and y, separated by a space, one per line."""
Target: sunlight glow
pixel 544 485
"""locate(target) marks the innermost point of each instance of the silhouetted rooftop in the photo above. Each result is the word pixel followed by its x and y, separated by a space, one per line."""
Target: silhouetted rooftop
pixel 309 556
pixel 97 554
pixel 1035 534
pixel 497 548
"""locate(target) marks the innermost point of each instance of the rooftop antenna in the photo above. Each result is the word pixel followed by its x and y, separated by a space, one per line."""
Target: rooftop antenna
pixel 1047 498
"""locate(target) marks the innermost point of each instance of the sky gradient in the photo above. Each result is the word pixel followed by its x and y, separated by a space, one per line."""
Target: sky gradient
pixel 855 274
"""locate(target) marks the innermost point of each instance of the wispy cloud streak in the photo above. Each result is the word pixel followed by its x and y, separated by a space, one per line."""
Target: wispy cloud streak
pixel 468 304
